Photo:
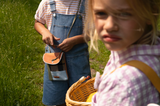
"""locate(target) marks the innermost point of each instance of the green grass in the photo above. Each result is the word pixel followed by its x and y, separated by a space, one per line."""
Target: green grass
pixel 20 54
pixel 99 60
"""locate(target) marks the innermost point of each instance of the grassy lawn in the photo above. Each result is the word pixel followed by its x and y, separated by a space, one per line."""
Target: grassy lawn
pixel 99 60
pixel 21 54
pixel 21 51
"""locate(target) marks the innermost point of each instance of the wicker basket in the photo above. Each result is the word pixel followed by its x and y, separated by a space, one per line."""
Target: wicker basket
pixel 77 94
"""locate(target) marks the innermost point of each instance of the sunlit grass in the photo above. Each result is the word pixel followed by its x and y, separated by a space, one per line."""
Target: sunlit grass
pixel 20 55
pixel 99 60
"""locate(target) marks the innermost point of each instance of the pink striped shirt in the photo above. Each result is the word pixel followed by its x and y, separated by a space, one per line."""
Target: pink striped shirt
pixel 44 15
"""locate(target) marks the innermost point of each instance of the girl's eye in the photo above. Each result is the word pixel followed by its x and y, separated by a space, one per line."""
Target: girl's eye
pixel 123 15
pixel 100 14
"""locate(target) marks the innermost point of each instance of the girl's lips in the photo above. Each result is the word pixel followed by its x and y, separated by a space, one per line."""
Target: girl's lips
pixel 110 38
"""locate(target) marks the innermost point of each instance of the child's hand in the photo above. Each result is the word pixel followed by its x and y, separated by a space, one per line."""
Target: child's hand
pixel 67 44
pixel 48 38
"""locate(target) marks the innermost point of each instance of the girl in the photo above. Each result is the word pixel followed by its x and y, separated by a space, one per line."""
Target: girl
pixel 58 15
pixel 128 28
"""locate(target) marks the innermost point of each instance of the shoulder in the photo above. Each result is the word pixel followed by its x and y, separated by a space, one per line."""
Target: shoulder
pixel 43 13
pixel 148 54
pixel 43 8
pixel 127 75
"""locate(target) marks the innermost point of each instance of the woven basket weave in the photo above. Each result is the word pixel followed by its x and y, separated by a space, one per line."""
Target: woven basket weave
pixel 77 94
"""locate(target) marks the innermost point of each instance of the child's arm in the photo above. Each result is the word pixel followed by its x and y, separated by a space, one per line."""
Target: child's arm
pixel 68 43
pixel 47 37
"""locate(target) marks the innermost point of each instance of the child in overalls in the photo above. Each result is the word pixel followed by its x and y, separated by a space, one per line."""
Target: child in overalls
pixel 58 15
pixel 129 29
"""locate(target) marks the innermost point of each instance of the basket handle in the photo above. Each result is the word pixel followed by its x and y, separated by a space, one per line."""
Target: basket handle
pixel 80 81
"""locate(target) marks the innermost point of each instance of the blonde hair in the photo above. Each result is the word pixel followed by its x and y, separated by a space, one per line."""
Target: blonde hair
pixel 147 10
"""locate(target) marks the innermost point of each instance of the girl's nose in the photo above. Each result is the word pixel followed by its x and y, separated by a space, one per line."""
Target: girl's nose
pixel 110 24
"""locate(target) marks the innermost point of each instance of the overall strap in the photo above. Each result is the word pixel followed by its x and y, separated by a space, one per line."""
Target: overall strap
pixel 74 19
pixel 147 70
pixel 53 6
pixel 82 8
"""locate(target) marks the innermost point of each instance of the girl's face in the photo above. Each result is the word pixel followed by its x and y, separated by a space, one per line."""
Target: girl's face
pixel 116 23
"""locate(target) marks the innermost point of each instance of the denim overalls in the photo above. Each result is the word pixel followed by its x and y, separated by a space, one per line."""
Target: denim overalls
pixel 77 58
